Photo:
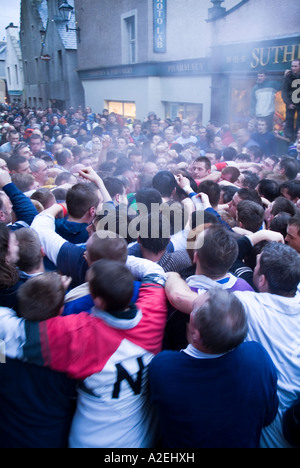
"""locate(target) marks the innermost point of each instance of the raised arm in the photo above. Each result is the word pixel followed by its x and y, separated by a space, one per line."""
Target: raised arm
pixel 23 207
pixel 92 176
pixel 44 226
pixel 179 294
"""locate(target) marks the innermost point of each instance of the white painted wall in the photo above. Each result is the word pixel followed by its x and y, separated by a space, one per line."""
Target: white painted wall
pixel 149 94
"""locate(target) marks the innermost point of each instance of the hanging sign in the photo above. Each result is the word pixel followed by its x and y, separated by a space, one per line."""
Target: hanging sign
pixel 160 26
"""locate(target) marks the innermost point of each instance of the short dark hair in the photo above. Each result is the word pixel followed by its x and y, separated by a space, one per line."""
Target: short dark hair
pixel 295 221
pixel 41 297
pixel 251 215
pixel 147 197
pixel 112 282
pixel 212 189
pixel 280 264
pixel 155 242
pixel 205 160
pixel 63 178
pixel 229 153
pixel 249 194
pixel 251 180
pixel 8 273
pixel 44 196
pixel 283 205
pixel 23 181
pixel 14 162
pixel 114 186
pixel 30 254
pixel 107 245
pixel 280 223
pixel 165 183
pixel 221 320
pixel 269 189
pixel 291 167
pixel 80 198
pixel 292 187
pixel 219 251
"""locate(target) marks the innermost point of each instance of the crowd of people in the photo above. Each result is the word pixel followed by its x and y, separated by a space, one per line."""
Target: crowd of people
pixel 149 282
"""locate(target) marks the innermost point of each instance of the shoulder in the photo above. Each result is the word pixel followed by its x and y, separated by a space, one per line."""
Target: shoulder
pixel 163 360
pixel 255 355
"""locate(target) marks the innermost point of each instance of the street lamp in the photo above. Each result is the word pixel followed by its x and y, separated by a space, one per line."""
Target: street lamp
pixel 65 10
pixel 216 11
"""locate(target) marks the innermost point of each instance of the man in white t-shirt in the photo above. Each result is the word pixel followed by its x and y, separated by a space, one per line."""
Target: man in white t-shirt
pixel 274 322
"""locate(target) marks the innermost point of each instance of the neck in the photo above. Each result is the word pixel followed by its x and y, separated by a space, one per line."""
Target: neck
pixel 151 256
pixel 214 278
pixel 82 220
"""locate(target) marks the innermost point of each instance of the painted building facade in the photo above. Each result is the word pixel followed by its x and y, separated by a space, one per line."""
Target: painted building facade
pixel 49 52
pixel 197 58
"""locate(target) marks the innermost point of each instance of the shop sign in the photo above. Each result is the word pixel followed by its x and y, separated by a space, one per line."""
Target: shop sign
pixel 160 26
pixel 274 55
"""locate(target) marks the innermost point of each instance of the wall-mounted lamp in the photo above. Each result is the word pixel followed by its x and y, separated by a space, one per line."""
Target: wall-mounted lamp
pixel 43 35
pixel 65 11
pixel 74 29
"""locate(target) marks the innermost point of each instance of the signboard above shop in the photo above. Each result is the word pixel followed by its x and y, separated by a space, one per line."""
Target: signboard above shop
pixel 159 26
pixel 272 55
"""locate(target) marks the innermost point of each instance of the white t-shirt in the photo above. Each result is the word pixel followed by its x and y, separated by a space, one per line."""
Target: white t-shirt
pixel 274 322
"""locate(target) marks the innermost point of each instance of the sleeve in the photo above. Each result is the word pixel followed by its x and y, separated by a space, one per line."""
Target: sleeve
pixel 71 262
pixel 285 90
pixel 23 207
pixel 145 270
pixel 44 226
pixel 78 345
pixel 12 334
pixel 239 269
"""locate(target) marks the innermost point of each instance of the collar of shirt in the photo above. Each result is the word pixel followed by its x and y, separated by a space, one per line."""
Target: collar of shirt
pixel 195 353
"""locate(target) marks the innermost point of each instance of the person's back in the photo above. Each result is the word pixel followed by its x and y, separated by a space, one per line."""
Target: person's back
pixel 216 250
pixel 274 321
pixel 219 392
pixel 37 404
pixel 109 351
pixel 123 416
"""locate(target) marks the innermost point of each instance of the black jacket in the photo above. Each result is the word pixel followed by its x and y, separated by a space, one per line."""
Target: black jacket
pixel 288 90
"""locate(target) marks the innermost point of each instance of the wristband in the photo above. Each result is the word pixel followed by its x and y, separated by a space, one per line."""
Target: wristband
pixel 64 209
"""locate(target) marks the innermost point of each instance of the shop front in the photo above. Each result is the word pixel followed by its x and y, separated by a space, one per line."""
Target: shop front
pixel 234 73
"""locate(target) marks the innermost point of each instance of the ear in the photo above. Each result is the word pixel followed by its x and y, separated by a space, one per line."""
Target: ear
pixel 99 303
pixel 93 211
pixel 195 258
pixel 193 334
pixel 2 216
pixel 117 198
pixel 263 285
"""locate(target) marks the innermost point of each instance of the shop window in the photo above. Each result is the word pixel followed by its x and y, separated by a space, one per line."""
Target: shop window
pixel 239 105
pixel 185 111
pixel 124 109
